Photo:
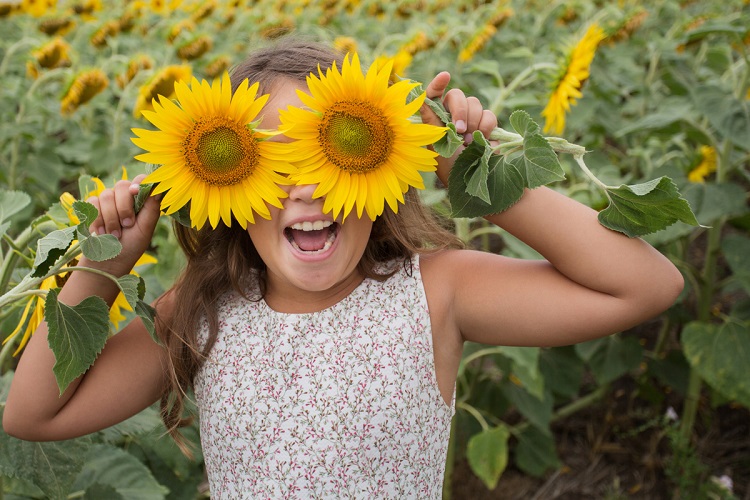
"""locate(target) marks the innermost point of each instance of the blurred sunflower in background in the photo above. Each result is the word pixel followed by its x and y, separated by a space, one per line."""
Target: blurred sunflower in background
pixel 568 86
pixel 355 140
pixel 212 155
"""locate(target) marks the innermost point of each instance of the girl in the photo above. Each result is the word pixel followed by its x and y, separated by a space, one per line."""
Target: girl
pixel 332 372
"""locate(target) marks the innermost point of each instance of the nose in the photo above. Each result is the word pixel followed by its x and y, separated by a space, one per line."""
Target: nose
pixel 302 192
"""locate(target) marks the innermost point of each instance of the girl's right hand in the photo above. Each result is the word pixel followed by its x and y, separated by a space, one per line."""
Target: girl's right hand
pixel 117 217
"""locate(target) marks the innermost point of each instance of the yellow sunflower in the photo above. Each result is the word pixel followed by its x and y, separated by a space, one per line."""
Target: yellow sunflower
pixel 212 155
pixel 706 167
pixel 161 84
pixel 84 87
pixel 34 313
pixel 568 87
pixel 355 140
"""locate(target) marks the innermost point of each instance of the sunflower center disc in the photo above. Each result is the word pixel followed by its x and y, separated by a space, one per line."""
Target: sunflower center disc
pixel 355 136
pixel 219 151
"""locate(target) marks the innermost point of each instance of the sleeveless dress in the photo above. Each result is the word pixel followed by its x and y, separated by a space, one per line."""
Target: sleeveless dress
pixel 340 403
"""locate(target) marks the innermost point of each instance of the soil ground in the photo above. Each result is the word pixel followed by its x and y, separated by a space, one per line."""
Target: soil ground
pixel 612 451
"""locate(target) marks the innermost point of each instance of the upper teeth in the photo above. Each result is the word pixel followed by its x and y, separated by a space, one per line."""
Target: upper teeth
pixel 311 226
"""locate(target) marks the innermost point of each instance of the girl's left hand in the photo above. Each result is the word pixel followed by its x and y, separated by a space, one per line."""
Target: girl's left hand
pixel 467 114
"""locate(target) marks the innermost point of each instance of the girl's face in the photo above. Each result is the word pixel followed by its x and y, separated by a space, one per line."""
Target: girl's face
pixel 311 259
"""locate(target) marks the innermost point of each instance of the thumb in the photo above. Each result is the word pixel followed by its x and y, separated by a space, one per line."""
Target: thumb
pixel 434 91
pixel 149 214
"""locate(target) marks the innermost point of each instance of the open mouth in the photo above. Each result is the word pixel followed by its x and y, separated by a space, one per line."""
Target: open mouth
pixel 312 237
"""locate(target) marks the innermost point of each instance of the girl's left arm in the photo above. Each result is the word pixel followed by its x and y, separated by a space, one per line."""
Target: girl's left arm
pixel 592 282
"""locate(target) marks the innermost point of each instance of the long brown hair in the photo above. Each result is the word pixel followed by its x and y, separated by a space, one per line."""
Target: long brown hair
pixel 223 259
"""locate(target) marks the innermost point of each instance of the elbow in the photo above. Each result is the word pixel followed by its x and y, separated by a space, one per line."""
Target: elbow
pixel 14 427
pixel 667 289
pixel 18 427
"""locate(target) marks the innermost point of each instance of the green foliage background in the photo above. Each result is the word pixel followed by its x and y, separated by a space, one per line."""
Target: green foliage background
pixel 672 77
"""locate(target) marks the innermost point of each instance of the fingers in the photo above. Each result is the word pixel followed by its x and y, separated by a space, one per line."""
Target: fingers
pixel 434 91
pixel 468 114
pixel 117 210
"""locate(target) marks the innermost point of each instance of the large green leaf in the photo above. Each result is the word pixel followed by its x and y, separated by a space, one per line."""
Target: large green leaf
pixel 721 354
pixel 525 367
pixel 736 249
pixel 504 183
pixel 108 465
pixel 487 453
pixel 77 335
pixel 562 370
pixel 50 248
pixel 610 357
pixel 535 452
pixel 537 411
pixel 131 287
pixel 726 114
pixel 12 202
pixel 52 466
pixel 101 247
pixel 640 209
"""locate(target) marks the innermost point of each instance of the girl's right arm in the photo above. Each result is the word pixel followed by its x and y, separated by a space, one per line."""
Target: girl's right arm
pixel 128 375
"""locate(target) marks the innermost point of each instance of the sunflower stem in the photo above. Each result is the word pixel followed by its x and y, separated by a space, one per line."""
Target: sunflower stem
pixel 12 49
pixel 16 144
pixel 499 102
pixel 590 175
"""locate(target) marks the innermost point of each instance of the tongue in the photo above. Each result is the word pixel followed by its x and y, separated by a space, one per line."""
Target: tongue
pixel 310 241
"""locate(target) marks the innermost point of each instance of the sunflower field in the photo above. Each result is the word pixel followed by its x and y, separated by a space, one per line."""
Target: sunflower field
pixel 638 109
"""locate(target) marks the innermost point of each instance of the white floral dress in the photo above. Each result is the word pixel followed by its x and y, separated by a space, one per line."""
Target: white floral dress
pixel 341 403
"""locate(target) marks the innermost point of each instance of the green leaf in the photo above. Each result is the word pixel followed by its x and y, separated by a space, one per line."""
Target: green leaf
pixel 108 465
pixel 537 411
pixel 144 191
pixel 736 249
pixel 447 145
pixel 504 182
pixel 51 466
pixel 538 164
pixel 12 202
pixel 98 491
pixel 535 452
pixel 86 213
pixel 147 315
pixel 640 209
pixel 562 370
pixel 487 453
pixel 522 123
pixel 50 248
pixel 101 247
pixel 476 175
pixel 76 335
pixel 610 357
pixel 721 355
pixel 726 114
pixel 525 366
pixel 436 107
pixel 129 285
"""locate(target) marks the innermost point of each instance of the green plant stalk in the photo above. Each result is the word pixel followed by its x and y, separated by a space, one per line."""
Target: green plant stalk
pixel 16 144
pixel 498 103
pixel 705 299
pixel 11 50
pixel 22 241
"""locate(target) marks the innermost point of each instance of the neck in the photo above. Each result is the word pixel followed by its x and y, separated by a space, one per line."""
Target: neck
pixel 285 297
